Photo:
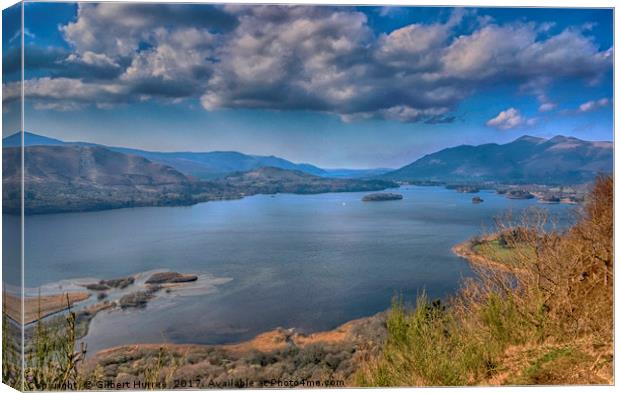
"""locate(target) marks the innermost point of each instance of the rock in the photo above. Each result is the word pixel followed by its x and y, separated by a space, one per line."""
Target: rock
pixel 171 278
pixel 104 285
pixel 120 283
pixel 382 196
pixel 97 287
pixel 135 300
pixel 476 200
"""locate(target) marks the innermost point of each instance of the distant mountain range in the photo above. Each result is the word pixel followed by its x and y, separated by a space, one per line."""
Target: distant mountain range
pixel 71 177
pixel 77 176
pixel 203 165
pixel 559 160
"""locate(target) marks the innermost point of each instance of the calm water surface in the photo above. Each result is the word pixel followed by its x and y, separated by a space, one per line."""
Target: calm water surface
pixel 306 261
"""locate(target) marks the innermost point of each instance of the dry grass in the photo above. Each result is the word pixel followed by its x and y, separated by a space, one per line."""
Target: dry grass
pixel 550 308
pixel 547 318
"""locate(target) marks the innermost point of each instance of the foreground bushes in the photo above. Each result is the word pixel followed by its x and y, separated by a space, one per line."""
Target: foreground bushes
pixel 547 319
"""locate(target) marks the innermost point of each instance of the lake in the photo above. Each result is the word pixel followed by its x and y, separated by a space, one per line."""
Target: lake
pixel 311 262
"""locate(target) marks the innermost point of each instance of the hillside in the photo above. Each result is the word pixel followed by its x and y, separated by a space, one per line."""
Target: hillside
pixel 539 310
pixel 269 180
pixel 30 139
pixel 67 178
pixel 202 165
pixel 70 178
pixel 559 160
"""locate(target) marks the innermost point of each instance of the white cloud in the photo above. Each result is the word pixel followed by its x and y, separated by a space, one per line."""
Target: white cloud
pixel 63 93
pixel 510 118
pixel 324 59
pixel 593 105
pixel 93 59
pixel 547 106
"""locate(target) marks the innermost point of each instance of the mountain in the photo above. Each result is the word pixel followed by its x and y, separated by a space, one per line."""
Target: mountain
pixel 15 140
pixel 559 160
pixel 212 165
pixel 207 165
pixel 71 177
pixel 76 178
pixel 356 173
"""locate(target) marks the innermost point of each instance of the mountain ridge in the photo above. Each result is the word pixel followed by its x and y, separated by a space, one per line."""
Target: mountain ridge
pixel 557 160
pixel 61 178
pixel 72 177
pixel 527 159
pixel 205 165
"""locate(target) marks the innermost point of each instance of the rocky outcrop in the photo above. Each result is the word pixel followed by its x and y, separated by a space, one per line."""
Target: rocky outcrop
pixel 171 278
pixel 104 285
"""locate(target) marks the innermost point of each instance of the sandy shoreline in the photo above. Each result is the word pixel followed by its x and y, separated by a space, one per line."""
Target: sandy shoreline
pixel 349 342
pixel 465 250
pixel 48 304
pixel 283 354
pixel 269 341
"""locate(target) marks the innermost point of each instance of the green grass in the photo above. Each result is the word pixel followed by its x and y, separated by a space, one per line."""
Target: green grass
pixel 496 251
pixel 552 367
pixel 428 347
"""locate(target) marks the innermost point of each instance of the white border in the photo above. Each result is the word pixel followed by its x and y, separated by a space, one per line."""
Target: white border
pixel 469 3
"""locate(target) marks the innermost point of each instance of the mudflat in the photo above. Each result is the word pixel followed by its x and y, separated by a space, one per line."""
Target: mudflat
pixel 40 306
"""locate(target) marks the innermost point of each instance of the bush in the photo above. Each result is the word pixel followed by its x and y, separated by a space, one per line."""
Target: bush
pixel 559 290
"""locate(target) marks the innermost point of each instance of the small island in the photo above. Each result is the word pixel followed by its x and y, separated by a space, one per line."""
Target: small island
pixel 476 200
pixel 519 194
pixel 382 196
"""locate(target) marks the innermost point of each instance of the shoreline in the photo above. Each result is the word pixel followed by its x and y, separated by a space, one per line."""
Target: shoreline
pixel 353 340
pixel 465 251
pixel 277 354
pixel 269 341
pixel 266 340
pixel 9 210
pixel 359 339
pixel 45 305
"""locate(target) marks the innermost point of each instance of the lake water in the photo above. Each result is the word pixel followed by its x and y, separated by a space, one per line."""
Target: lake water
pixel 311 262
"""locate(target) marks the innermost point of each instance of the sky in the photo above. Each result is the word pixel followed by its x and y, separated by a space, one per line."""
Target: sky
pixel 354 87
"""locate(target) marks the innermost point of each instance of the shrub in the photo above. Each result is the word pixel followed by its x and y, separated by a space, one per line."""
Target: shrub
pixel 558 290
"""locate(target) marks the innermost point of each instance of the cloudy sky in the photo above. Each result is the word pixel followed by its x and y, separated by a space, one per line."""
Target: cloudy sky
pixel 334 86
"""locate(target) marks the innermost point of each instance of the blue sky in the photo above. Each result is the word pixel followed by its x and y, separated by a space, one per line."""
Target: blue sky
pixel 350 87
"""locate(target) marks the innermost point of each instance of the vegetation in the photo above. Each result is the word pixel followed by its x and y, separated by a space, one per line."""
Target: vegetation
pixel 498 250
pixel 382 196
pixel 548 319
pixel 11 350
pixel 75 178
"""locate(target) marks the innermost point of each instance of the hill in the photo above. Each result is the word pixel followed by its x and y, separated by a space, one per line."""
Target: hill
pixel 67 178
pixel 75 178
pixel 217 164
pixel 559 160
pixel 270 180
pixel 202 165
pixel 539 310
